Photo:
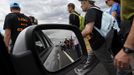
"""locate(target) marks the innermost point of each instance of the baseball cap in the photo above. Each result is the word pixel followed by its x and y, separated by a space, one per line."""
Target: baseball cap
pixel 88 0
pixel 14 5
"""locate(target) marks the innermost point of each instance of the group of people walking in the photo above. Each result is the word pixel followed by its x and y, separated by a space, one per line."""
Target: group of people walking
pixel 93 17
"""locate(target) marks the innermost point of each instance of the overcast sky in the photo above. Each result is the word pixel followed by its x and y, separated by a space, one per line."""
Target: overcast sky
pixel 46 11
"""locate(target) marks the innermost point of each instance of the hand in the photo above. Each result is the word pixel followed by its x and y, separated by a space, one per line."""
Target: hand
pixel 122 60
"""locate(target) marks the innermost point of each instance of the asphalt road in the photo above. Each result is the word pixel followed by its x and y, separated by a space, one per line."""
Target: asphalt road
pixel 98 70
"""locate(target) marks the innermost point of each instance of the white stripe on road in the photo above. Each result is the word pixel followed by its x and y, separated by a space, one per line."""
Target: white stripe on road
pixel 68 57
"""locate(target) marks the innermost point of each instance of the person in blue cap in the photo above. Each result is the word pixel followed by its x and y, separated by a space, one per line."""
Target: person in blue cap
pixel 114 9
pixel 14 23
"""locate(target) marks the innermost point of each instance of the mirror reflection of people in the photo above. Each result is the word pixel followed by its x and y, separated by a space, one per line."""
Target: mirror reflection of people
pixel 14 23
pixel 123 58
pixel 66 42
pixel 93 18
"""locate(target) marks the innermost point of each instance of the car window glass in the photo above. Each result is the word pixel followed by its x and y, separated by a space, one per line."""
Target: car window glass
pixel 65 49
pixel 41 44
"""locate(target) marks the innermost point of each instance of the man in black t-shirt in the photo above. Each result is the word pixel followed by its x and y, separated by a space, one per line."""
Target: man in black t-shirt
pixel 14 23
pixel 74 16
pixel 93 18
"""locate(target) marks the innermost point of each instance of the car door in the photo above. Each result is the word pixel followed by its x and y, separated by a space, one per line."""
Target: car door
pixel 42 50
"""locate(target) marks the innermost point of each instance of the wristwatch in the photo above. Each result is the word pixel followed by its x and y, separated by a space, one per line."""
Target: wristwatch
pixel 128 50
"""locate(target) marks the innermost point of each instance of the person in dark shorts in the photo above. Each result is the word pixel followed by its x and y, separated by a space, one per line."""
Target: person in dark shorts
pixel 93 18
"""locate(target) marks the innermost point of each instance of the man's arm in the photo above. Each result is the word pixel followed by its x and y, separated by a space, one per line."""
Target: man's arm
pixel 122 59
pixel 114 10
pixel 7 37
pixel 130 39
pixel 88 29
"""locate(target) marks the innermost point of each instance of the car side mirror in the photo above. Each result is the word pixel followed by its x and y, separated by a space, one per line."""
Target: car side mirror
pixel 54 46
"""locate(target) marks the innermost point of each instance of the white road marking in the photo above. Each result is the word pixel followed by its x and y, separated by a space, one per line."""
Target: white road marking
pixel 68 57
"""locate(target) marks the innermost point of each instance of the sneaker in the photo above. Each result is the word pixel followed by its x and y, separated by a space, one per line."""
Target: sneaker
pixel 87 62
pixel 80 71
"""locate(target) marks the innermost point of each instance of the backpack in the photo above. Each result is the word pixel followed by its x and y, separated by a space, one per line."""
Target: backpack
pixel 108 22
pixel 81 21
pixel 106 32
